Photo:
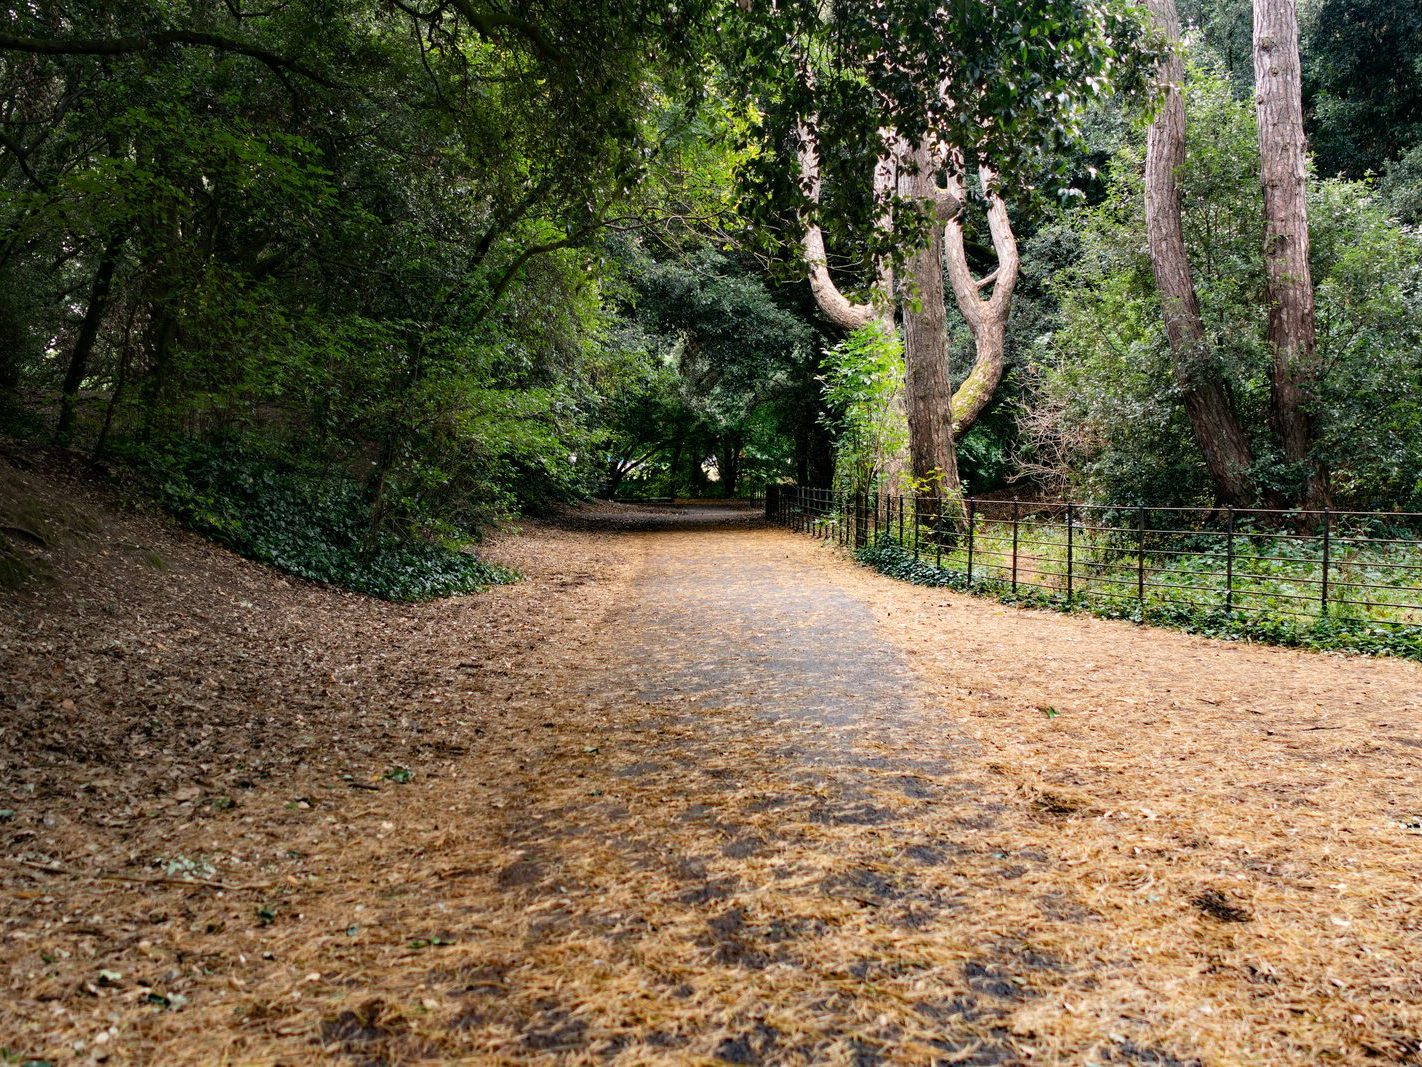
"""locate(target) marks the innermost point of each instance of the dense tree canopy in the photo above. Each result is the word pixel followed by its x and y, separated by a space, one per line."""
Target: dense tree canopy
pixel 431 264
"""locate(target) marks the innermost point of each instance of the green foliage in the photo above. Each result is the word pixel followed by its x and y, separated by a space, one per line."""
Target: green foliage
pixel 1400 188
pixel 1106 416
pixel 1363 82
pixel 863 379
pixel 376 251
pixel 720 368
pixel 1007 81
pixel 310 525
pixel 428 265
pixel 1326 634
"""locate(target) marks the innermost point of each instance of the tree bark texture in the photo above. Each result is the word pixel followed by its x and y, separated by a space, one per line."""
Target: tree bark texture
pixel 838 308
pixel 928 390
pixel 986 317
pixel 845 313
pixel 1284 172
pixel 1216 426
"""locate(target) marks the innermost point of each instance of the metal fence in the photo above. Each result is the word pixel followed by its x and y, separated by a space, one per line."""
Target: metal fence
pixel 1364 566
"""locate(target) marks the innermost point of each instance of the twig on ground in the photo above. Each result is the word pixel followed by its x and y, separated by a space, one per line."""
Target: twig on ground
pixel 200 883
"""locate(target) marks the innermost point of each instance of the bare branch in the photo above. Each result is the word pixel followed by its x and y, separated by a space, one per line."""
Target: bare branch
pixel 496 25
pixel 838 308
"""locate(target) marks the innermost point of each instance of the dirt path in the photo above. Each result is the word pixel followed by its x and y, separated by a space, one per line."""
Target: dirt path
pixel 695 792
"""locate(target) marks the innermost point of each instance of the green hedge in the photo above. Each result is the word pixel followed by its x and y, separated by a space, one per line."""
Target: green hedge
pixel 1346 635
pixel 309 524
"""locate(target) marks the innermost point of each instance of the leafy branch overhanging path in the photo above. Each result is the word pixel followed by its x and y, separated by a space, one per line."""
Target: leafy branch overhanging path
pixel 696 791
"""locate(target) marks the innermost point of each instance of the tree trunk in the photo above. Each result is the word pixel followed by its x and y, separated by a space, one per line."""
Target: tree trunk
pixel 678 447
pixel 1217 429
pixel 1283 162
pixel 84 343
pixel 986 318
pixel 12 337
pixel 838 308
pixel 819 462
pixel 159 339
pixel 928 391
pixel 728 462
pixel 847 314
pixel 615 472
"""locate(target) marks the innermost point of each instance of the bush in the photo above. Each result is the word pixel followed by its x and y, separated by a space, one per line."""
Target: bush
pixel 1327 634
pixel 314 526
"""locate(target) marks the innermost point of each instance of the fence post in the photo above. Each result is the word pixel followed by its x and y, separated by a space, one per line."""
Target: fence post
pixel 972 524
pixel 914 500
pixel 1070 544
pixel 1140 558
pixel 938 534
pixel 1016 509
pixel 901 520
pixel 1327 537
pixel 1229 561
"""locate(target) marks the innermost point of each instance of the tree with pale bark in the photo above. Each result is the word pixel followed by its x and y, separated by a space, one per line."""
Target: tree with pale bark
pixel 937 415
pixel 925 100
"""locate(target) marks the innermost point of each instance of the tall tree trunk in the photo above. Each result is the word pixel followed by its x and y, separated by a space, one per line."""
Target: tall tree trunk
pixel 159 340
pixel 802 452
pixel 986 317
pixel 1216 426
pixel 1283 162
pixel 84 343
pixel 845 313
pixel 820 455
pixel 678 447
pixel 928 390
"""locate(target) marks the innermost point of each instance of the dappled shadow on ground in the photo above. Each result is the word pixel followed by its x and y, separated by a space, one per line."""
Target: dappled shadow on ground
pixel 612 517
pixel 697 795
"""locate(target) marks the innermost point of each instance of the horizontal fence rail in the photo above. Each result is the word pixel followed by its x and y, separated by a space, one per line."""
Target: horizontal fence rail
pixel 1349 565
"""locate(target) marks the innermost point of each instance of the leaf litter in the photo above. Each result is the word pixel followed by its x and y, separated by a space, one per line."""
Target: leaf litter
pixel 694 792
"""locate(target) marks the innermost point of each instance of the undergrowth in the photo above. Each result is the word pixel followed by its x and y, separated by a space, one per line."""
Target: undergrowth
pixel 312 525
pixel 1326 634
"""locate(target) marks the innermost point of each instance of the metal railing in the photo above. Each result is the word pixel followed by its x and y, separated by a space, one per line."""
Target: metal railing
pixel 1364 566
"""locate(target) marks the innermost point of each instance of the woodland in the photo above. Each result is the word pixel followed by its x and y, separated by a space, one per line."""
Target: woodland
pixel 341 285
pixel 317 315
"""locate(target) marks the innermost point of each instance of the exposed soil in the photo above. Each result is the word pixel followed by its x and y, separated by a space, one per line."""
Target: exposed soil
pixel 695 791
